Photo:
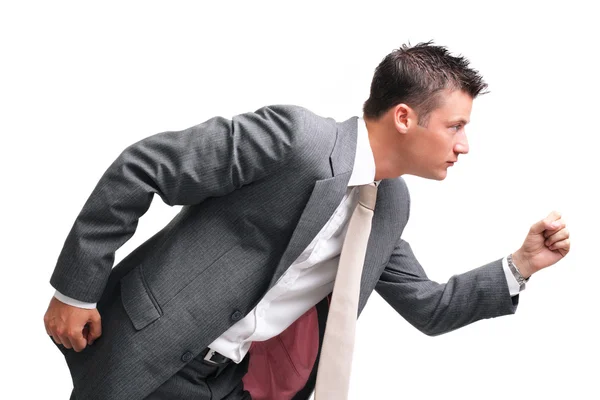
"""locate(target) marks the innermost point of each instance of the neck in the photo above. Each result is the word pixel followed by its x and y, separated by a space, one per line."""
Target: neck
pixel 388 161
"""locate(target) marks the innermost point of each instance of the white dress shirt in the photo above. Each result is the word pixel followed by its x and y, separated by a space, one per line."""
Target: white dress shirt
pixel 310 278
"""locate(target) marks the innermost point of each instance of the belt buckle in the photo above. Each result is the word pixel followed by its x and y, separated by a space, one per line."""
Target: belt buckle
pixel 208 356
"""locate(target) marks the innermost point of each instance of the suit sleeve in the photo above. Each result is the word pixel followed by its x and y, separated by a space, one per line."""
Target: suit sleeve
pixel 436 308
pixel 183 168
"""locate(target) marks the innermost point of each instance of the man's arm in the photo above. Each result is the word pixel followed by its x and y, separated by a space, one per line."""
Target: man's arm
pixel 185 167
pixel 481 293
pixel 436 308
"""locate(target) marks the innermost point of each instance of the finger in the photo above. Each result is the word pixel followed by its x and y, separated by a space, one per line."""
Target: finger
pixel 541 226
pixel 51 331
pixel 559 224
pixel 95 328
pixel 564 245
pixel 77 340
pixel 47 324
pixel 64 339
pixel 86 333
pixel 553 216
pixel 55 338
pixel 557 236
pixel 48 331
pixel 50 327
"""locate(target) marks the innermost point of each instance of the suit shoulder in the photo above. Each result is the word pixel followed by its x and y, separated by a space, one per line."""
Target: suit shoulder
pixel 285 113
pixel 297 115
pixel 402 184
pixel 400 192
pixel 405 194
pixel 399 185
pixel 306 128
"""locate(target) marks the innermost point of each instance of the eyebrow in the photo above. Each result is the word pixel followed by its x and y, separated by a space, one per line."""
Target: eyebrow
pixel 459 121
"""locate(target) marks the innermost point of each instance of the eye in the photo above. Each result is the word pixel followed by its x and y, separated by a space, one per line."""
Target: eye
pixel 456 128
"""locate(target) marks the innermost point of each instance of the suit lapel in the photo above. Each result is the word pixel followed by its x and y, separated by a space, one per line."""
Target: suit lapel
pixel 325 198
pixel 386 221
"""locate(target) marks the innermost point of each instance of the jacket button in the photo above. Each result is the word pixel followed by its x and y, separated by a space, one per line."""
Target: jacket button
pixel 237 315
pixel 187 356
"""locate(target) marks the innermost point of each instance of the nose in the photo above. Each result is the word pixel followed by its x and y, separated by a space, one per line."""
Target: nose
pixel 462 144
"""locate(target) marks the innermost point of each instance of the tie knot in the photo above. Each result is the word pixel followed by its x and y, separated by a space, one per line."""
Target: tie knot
pixel 367 195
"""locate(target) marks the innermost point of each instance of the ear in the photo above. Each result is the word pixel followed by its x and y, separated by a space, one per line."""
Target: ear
pixel 403 118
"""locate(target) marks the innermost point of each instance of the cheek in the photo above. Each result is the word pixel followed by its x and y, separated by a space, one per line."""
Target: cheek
pixel 445 144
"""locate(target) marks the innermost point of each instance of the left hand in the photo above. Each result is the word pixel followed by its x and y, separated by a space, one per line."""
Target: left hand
pixel 546 243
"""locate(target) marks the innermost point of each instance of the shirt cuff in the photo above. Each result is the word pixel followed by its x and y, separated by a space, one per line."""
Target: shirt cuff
pixel 72 302
pixel 513 285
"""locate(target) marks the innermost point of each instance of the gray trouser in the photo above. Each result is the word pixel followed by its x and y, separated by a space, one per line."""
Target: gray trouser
pixel 200 380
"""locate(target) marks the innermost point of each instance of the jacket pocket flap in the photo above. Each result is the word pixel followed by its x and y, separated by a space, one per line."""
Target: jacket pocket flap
pixel 137 299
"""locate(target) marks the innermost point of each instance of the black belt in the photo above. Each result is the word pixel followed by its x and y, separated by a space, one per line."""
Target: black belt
pixel 212 357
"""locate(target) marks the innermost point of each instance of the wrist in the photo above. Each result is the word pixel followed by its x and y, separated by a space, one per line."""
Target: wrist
pixel 522 264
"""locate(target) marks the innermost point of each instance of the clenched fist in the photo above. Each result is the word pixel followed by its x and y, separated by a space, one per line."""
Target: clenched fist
pixel 73 327
pixel 546 243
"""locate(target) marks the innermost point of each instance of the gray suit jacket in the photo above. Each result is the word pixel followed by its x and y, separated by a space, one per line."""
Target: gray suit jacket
pixel 256 190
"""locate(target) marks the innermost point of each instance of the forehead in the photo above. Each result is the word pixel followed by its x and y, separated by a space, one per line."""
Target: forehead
pixel 454 105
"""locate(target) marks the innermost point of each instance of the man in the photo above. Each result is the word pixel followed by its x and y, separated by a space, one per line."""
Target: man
pixel 230 298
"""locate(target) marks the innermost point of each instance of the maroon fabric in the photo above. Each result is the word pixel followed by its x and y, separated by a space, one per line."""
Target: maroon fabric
pixel 280 367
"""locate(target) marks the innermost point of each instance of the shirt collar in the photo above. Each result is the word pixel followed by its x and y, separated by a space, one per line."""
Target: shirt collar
pixel 363 171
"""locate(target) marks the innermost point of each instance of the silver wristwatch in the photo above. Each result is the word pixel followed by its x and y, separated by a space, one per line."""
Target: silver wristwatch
pixel 517 274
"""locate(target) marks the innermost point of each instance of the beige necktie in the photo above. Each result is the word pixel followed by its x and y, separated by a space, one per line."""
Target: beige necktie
pixel 333 376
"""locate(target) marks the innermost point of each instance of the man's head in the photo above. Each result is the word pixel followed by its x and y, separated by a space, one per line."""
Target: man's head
pixel 421 97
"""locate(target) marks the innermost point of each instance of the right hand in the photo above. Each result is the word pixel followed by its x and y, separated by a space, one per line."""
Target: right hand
pixel 73 327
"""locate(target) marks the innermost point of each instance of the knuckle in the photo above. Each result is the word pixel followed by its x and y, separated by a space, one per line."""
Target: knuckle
pixel 72 332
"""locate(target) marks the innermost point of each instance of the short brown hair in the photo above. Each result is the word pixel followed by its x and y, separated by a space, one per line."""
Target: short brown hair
pixel 415 75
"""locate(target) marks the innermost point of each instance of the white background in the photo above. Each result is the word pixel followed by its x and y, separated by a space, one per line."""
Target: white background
pixel 79 82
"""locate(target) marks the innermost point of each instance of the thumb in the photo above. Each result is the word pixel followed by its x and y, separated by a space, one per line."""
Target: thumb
pixel 95 327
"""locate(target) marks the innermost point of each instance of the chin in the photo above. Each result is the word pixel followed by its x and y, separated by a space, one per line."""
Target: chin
pixel 440 176
pixel 433 175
